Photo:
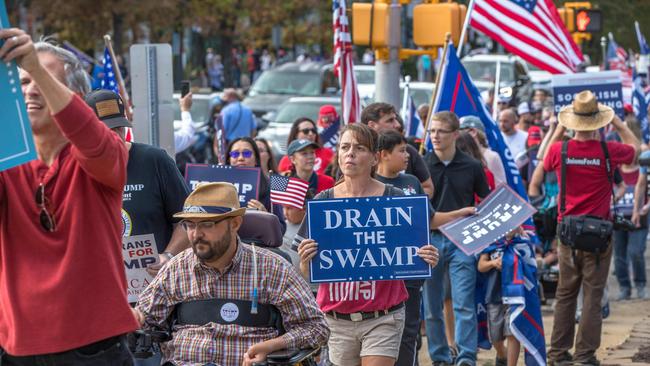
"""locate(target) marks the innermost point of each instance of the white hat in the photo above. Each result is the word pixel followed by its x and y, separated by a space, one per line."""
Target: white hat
pixel 523 108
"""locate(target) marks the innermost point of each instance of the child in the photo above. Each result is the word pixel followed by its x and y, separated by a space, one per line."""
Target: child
pixel 498 313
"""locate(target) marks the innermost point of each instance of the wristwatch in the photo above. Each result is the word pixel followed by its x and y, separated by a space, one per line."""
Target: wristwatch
pixel 169 255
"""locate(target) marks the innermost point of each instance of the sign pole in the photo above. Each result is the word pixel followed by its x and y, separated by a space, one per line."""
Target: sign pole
pixel 436 91
pixel 495 99
pixel 120 81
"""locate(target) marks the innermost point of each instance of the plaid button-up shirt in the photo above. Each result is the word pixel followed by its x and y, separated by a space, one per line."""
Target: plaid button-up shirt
pixel 184 278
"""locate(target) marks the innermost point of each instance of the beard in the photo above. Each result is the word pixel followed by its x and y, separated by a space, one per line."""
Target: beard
pixel 216 249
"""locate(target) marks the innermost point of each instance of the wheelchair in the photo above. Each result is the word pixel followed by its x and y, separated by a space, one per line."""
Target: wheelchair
pixel 261 229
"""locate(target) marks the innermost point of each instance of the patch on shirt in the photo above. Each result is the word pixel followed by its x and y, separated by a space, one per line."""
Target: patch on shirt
pixel 229 312
pixel 127 225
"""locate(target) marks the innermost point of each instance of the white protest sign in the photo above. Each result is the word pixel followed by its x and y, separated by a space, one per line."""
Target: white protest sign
pixel 139 251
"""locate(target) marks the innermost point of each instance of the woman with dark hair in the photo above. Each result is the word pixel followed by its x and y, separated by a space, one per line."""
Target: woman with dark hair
pixel 468 145
pixel 243 152
pixel 305 128
pixel 267 161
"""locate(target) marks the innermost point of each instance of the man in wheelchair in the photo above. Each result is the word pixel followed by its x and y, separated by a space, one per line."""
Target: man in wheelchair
pixel 228 303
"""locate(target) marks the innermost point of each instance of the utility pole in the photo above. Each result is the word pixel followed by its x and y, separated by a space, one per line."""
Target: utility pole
pixel 387 64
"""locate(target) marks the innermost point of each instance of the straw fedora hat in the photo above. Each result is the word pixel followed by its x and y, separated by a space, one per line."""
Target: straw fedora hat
pixel 212 201
pixel 585 114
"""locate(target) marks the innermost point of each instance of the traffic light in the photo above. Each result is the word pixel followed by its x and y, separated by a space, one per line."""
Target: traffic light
pixel 588 20
pixel 568 18
pixel 431 22
pixel 363 23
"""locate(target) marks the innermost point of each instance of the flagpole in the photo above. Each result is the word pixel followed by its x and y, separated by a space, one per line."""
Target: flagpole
pixel 120 81
pixel 436 91
pixel 463 33
pixel 495 99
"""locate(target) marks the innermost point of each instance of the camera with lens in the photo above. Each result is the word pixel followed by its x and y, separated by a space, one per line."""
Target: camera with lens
pixel 645 162
pixel 621 223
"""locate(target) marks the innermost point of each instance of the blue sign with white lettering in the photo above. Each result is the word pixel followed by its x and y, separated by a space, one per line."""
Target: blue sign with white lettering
pixel 369 238
pixel 625 205
pixel 246 180
pixel 606 86
pixel 16 141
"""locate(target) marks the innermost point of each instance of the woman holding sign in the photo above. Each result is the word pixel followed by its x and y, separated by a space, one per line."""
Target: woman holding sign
pixel 366 318
pixel 243 152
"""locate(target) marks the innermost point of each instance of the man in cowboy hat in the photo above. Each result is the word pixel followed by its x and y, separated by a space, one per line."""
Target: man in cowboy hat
pixel 214 281
pixel 588 192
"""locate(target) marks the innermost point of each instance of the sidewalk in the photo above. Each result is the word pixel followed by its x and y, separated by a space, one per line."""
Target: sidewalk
pixel 625 335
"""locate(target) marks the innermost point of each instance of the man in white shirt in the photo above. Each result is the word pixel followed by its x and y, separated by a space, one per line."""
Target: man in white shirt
pixel 515 138
pixel 184 137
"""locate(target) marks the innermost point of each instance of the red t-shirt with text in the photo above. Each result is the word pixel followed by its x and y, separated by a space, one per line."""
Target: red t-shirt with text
pixel 588 190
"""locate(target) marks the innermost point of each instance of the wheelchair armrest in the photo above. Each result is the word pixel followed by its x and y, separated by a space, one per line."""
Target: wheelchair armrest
pixel 291 356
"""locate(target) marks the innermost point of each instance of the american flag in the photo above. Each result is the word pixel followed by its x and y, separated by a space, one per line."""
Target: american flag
pixel 343 65
pixel 617 60
pixel 288 191
pixel 531 29
pixel 109 82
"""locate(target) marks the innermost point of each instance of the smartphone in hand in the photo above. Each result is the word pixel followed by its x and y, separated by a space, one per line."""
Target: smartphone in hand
pixel 185 87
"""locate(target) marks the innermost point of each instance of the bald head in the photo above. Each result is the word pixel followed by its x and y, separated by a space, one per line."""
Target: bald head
pixel 507 121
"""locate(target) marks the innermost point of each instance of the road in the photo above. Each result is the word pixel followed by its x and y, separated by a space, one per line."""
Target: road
pixel 629 320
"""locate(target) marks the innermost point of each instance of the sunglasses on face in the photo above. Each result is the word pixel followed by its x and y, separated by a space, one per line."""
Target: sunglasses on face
pixel 306 131
pixel 245 153
pixel 45 217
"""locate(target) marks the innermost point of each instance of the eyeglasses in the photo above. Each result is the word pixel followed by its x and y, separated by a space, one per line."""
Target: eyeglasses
pixel 434 131
pixel 45 217
pixel 306 131
pixel 245 153
pixel 203 225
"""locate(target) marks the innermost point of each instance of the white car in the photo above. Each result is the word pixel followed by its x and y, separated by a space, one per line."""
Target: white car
pixel 515 82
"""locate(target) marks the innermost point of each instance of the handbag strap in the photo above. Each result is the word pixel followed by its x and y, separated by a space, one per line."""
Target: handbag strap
pixel 610 178
pixel 565 147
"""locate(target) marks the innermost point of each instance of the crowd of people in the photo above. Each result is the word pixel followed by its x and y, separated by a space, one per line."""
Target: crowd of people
pixel 65 213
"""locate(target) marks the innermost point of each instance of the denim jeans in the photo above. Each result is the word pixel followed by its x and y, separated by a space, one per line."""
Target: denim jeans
pixel 116 355
pixel 408 354
pixel 462 273
pixel 629 247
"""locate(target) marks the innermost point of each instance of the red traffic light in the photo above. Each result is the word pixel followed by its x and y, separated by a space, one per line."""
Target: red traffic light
pixel 588 20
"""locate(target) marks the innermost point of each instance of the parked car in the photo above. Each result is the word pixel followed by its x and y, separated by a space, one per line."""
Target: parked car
pixel 515 81
pixel 277 132
pixel 420 91
pixel 292 79
pixel 365 75
pixel 202 105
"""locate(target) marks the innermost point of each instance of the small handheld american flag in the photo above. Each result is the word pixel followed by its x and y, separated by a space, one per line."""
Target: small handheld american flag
pixel 288 191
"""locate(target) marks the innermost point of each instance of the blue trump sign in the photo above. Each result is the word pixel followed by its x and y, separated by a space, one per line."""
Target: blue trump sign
pixel 606 86
pixel 16 142
pixel 246 180
pixel 369 238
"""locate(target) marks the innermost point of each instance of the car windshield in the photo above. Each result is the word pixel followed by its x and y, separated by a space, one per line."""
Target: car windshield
pixel 486 71
pixel 365 76
pixel 294 83
pixel 420 96
pixel 289 112
pixel 200 110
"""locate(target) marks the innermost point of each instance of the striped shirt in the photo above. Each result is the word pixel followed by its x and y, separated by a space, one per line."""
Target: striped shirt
pixel 184 278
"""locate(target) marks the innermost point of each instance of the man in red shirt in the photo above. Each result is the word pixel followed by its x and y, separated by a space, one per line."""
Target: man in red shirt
pixel 588 192
pixel 62 281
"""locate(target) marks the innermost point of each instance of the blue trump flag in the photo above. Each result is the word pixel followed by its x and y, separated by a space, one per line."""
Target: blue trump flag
pixel 519 292
pixel 640 102
pixel 459 95
pixel 644 49
pixel 109 82
pixel 330 135
pixel 412 123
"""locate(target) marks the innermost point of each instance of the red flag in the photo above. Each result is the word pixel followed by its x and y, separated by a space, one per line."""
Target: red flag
pixel 343 64
pixel 531 29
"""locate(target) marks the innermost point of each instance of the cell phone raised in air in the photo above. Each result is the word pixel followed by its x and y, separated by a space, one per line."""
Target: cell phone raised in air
pixel 185 87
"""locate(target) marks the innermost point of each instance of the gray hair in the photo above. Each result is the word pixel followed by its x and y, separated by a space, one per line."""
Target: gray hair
pixel 76 78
